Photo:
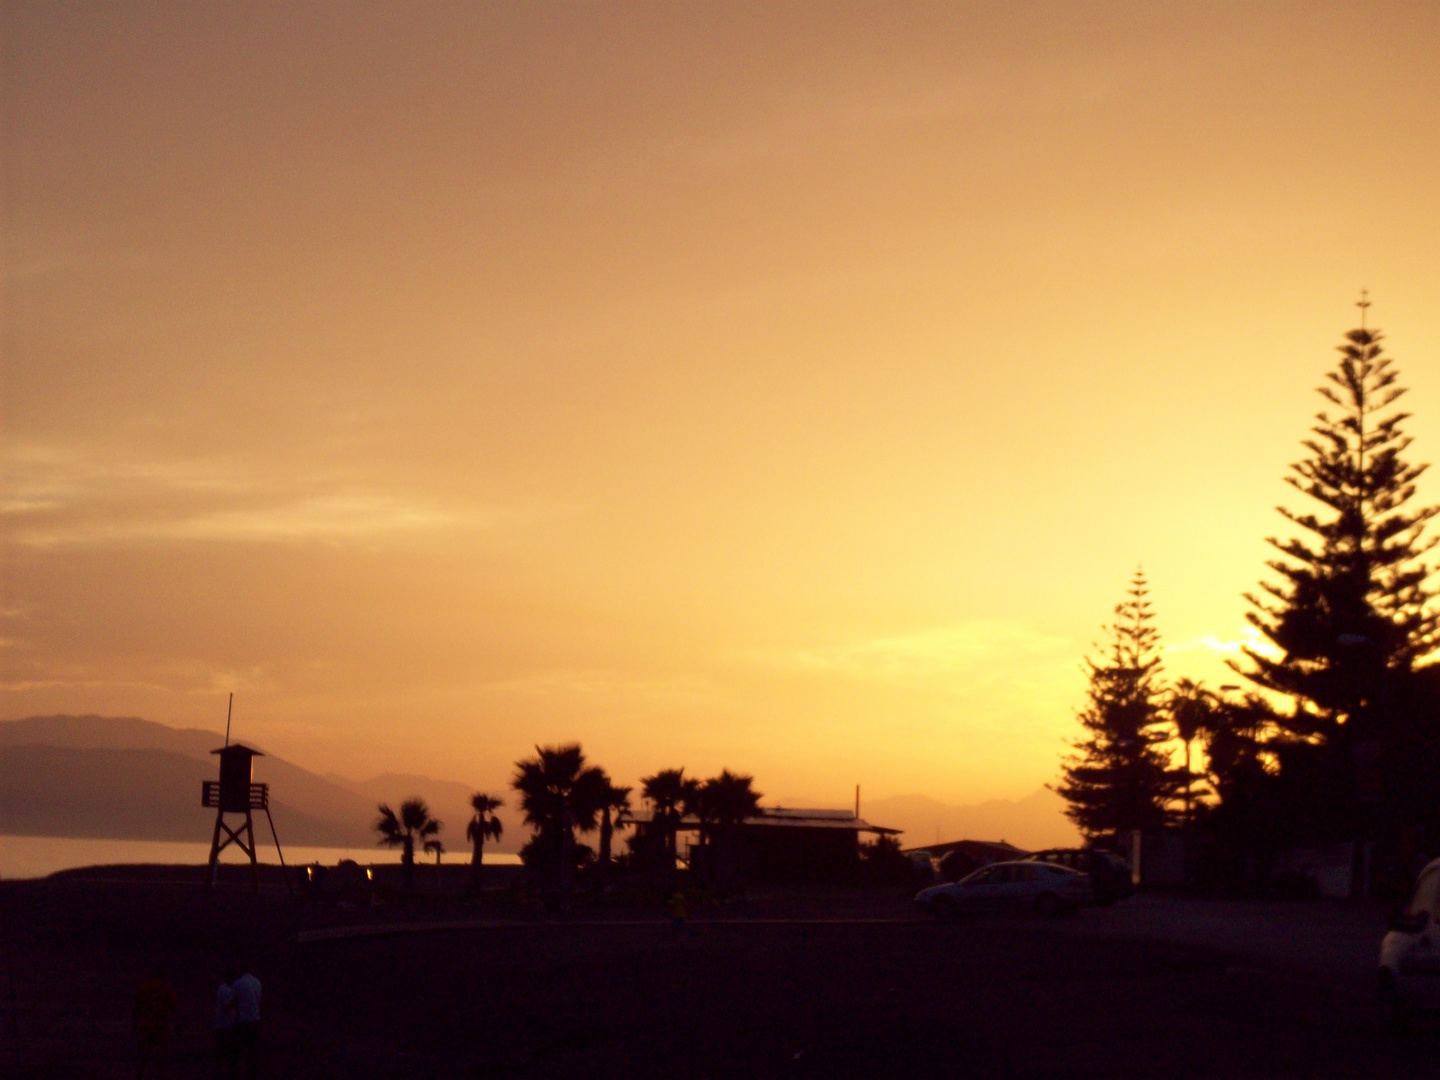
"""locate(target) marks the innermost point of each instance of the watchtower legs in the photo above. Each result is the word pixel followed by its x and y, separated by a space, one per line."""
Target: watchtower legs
pixel 243 838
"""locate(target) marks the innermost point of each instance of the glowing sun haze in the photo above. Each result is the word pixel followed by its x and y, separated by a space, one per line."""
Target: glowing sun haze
pixel 792 388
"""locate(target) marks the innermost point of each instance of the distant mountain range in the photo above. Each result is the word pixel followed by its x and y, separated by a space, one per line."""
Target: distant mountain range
pixel 1034 822
pixel 127 778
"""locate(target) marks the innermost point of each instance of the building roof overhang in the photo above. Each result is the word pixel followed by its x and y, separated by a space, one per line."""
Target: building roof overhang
pixel 777 817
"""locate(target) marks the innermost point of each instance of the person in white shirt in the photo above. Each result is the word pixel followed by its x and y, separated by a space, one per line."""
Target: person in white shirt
pixel 227 1050
pixel 247 1020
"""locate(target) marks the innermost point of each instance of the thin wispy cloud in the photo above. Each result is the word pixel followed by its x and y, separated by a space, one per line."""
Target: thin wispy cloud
pixel 608 684
pixel 988 649
pixel 53 498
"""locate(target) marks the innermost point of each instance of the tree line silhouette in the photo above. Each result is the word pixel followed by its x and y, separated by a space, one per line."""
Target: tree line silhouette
pixel 1337 735
pixel 561 794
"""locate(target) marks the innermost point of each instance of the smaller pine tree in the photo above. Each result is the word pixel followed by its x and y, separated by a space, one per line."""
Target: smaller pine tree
pixel 1119 778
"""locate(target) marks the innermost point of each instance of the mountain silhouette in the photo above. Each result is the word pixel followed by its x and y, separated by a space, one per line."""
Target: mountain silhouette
pixel 134 779
pixel 1034 822
pixel 125 795
pixel 108 733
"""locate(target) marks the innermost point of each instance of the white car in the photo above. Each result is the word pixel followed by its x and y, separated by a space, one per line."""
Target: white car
pixel 1050 890
pixel 1410 953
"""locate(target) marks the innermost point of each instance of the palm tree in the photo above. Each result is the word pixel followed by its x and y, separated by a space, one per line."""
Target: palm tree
pixel 614 814
pixel 412 823
pixel 484 825
pixel 559 794
pixel 726 801
pixel 1192 710
pixel 669 793
pixel 436 848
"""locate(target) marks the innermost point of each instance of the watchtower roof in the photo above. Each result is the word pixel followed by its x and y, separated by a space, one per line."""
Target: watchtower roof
pixel 239 749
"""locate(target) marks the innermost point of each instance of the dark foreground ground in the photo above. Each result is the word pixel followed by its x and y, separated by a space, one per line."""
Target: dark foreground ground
pixel 1236 992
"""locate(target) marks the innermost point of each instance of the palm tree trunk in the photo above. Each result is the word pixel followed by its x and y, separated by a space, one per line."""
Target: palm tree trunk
pixel 567 856
pixel 606 829
pixel 667 848
pixel 407 862
pixel 1187 784
pixel 477 860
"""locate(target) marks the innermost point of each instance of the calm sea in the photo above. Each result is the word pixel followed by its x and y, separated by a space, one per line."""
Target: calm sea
pixel 37 856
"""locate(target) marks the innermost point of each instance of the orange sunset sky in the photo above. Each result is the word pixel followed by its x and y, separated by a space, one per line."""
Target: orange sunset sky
pixel 792 388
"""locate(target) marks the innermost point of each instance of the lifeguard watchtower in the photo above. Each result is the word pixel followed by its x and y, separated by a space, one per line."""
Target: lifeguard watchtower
pixel 237 793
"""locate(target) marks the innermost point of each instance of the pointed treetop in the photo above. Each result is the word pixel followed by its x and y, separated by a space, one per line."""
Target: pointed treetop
pixel 1363 304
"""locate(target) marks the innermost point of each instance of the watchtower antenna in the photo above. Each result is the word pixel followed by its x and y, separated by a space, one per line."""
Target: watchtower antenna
pixel 228 710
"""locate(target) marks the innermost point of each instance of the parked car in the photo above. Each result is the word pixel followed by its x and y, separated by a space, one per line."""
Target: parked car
pixel 1410 953
pixel 1109 873
pixel 1050 890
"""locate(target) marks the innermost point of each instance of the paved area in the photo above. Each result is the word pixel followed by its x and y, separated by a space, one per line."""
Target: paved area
pixel 798 984
pixel 1324 937
pixel 1332 937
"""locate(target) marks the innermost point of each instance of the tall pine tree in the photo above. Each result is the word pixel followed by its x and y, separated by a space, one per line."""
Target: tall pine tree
pixel 1119 778
pixel 1350 614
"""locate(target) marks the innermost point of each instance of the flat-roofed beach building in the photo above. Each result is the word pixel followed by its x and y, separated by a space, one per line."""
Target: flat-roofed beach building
pixel 780 844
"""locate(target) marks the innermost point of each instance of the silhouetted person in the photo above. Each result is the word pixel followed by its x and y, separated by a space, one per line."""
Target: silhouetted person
pixel 156 1011
pixel 247 1020
pixel 227 1047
